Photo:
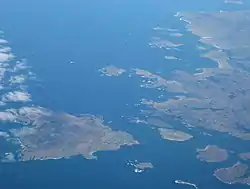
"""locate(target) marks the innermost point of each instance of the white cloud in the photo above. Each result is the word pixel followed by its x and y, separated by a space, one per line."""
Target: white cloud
pixel 9 157
pixel 17 96
pixel 33 113
pixel 4 134
pixel 7 116
pixel 5 52
pixel 2 72
pixel 26 115
pixel 1 102
pixel 18 79
pixel 23 131
pixel 4 57
pixel 3 41
pixel 20 65
pixel 5 49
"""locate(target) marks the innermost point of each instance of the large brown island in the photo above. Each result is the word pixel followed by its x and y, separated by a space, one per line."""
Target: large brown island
pixel 53 135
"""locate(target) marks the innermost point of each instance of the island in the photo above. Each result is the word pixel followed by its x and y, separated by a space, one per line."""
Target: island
pixel 160 29
pixel 53 135
pixel 218 56
pixel 201 48
pixel 141 166
pixel 171 58
pixel 165 130
pixel 237 173
pixel 245 155
pixel 151 121
pixel 174 135
pixel 212 153
pixel 157 42
pixel 176 34
pixel 214 97
pixel 238 2
pixel 152 80
pixel 41 133
pixel 111 70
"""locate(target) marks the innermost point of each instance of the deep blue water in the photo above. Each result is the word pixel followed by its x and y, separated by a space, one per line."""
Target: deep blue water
pixel 94 34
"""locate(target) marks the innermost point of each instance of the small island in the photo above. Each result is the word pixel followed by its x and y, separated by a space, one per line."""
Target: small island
pixel 112 71
pixel 234 174
pixel 238 2
pixel 171 58
pixel 157 42
pixel 142 166
pixel 176 34
pixel 151 80
pixel 201 48
pixel 212 153
pixel 174 135
pixel 245 155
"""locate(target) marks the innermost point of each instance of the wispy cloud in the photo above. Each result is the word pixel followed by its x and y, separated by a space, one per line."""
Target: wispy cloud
pixel 4 57
pixel 3 41
pixel 2 71
pixel 20 65
pixel 5 49
pixel 24 131
pixel 7 116
pixel 29 115
pixel 17 79
pixel 17 96
pixel 4 134
pixel 9 157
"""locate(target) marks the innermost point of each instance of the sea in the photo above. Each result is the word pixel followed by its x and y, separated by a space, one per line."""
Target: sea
pixel 94 34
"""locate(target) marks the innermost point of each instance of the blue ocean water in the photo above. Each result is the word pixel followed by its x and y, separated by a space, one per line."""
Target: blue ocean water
pixel 94 34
